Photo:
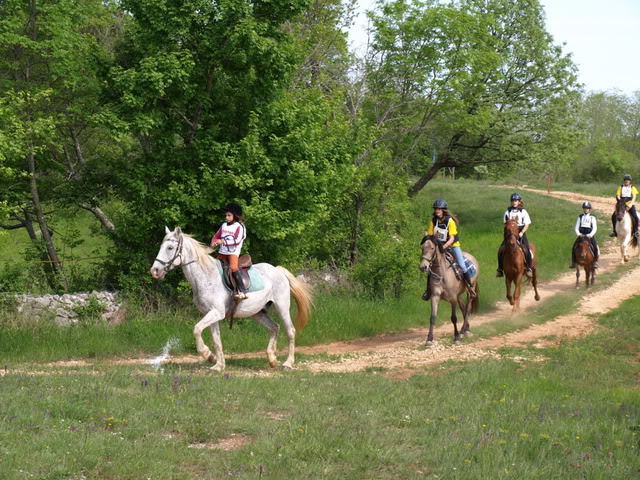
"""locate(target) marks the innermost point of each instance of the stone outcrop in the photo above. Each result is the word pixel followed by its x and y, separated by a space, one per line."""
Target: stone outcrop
pixel 71 308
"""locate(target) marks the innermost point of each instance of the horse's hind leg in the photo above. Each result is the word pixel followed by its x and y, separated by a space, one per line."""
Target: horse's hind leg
pixel 263 319
pixel 534 282
pixel 454 320
pixel 465 309
pixel 282 306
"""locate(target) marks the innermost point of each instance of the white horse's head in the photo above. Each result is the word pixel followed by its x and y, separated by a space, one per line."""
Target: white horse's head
pixel 170 255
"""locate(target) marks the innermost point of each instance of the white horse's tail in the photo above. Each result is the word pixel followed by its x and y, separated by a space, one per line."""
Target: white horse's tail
pixel 304 299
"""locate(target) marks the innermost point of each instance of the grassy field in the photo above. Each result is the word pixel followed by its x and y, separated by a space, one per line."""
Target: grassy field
pixel 574 415
pixel 337 315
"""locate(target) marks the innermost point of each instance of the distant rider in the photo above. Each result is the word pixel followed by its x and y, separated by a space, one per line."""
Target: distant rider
pixel 586 226
pixel 444 227
pixel 627 192
pixel 517 212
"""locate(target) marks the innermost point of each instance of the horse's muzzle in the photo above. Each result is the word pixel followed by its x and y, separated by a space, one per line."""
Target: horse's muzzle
pixel 156 273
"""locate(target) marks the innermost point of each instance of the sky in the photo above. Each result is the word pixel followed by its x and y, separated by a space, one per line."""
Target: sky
pixel 603 38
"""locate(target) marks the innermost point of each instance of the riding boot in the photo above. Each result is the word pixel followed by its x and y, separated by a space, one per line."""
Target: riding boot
pixel 613 222
pixel 240 292
pixel 528 260
pixel 467 280
pixel 500 272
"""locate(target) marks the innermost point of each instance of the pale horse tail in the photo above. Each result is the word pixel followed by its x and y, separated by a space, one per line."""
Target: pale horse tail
pixel 304 299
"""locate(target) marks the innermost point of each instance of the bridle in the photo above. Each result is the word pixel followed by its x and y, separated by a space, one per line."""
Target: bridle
pixel 178 254
pixel 438 278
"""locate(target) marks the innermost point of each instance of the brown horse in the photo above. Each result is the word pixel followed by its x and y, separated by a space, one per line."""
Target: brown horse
pixel 586 260
pixel 515 264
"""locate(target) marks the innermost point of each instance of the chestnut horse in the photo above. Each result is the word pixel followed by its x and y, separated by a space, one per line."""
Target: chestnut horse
pixel 585 259
pixel 515 264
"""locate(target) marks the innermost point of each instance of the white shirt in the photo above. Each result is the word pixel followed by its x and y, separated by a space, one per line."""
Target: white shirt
pixel 232 237
pixel 518 214
pixel 586 220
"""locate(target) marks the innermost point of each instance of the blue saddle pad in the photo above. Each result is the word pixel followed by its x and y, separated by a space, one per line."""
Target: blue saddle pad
pixel 471 268
pixel 257 280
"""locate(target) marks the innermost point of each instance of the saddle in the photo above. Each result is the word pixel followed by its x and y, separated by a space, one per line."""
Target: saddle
pixel 244 264
pixel 457 270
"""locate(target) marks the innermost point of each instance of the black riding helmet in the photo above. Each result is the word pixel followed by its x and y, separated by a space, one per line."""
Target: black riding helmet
pixel 586 205
pixel 233 208
pixel 627 177
pixel 515 196
pixel 440 204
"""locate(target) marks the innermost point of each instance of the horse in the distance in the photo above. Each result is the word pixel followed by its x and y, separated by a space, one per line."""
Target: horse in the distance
pixel 585 259
pixel 515 263
pixel 624 230
pixel 444 285
pixel 214 300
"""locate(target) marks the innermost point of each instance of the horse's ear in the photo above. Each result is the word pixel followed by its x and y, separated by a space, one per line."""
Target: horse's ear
pixel 178 231
pixel 424 239
pixel 166 230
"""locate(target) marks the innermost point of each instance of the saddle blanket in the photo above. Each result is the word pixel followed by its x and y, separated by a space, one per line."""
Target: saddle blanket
pixel 471 268
pixel 257 280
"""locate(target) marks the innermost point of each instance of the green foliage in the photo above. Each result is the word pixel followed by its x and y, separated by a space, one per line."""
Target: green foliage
pixel 91 310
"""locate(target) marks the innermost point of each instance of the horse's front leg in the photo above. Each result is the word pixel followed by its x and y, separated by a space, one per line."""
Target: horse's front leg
pixel 516 292
pixel 578 277
pixel 507 282
pixel 211 319
pixel 454 320
pixel 432 320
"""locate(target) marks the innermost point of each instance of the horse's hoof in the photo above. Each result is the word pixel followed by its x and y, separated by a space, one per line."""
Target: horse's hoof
pixel 457 341
pixel 428 343
pixel 468 333
pixel 211 358
pixel 537 297
pixel 217 368
pixel 287 367
pixel 273 363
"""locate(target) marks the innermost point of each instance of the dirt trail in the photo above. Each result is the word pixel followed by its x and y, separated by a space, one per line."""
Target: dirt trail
pixel 404 352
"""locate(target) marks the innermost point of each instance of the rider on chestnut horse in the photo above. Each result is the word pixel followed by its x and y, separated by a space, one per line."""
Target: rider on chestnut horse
pixel 586 226
pixel 517 212
pixel 627 192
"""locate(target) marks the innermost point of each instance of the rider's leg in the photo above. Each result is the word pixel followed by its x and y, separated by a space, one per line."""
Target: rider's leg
pixel 528 258
pixel 573 253
pixel 634 213
pixel 596 251
pixel 613 222
pixel 241 292
pixel 457 252
pixel 501 261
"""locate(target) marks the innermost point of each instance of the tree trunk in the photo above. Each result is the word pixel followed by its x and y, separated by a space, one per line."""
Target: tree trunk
pixel 426 177
pixel 101 216
pixel 42 221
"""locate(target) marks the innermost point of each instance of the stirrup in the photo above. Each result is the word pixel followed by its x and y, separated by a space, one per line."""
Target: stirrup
pixel 471 291
pixel 636 234
pixel 240 295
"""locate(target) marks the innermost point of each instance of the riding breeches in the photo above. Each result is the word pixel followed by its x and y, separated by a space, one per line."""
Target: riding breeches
pixel 232 259
pixel 457 252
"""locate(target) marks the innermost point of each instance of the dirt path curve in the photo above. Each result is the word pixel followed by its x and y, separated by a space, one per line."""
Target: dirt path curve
pixel 404 352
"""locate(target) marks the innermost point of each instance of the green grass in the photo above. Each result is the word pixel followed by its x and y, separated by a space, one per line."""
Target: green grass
pixel 576 415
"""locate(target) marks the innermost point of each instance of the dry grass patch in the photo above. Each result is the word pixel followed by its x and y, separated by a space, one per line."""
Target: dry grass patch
pixel 232 442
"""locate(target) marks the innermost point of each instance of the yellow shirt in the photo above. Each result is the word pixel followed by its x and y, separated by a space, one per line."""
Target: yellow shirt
pixel 442 234
pixel 632 190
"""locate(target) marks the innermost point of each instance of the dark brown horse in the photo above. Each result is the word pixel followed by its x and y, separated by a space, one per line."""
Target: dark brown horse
pixel 586 260
pixel 515 264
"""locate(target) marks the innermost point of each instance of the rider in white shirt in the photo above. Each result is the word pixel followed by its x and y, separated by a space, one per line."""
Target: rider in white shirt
pixel 586 226
pixel 517 212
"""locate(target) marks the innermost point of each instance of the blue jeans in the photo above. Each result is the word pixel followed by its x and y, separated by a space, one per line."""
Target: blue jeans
pixel 457 252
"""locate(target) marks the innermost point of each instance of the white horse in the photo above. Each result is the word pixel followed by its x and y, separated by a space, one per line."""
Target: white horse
pixel 624 230
pixel 216 302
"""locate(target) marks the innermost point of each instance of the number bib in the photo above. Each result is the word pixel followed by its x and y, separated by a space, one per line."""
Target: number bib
pixel 585 221
pixel 626 192
pixel 441 233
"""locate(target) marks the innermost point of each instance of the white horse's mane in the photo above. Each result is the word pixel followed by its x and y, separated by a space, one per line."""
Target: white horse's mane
pixel 201 252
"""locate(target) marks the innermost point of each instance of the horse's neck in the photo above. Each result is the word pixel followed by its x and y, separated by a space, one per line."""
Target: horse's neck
pixel 196 273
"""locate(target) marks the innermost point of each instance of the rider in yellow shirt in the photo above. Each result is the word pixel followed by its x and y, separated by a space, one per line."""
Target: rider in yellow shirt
pixel 627 192
pixel 444 227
